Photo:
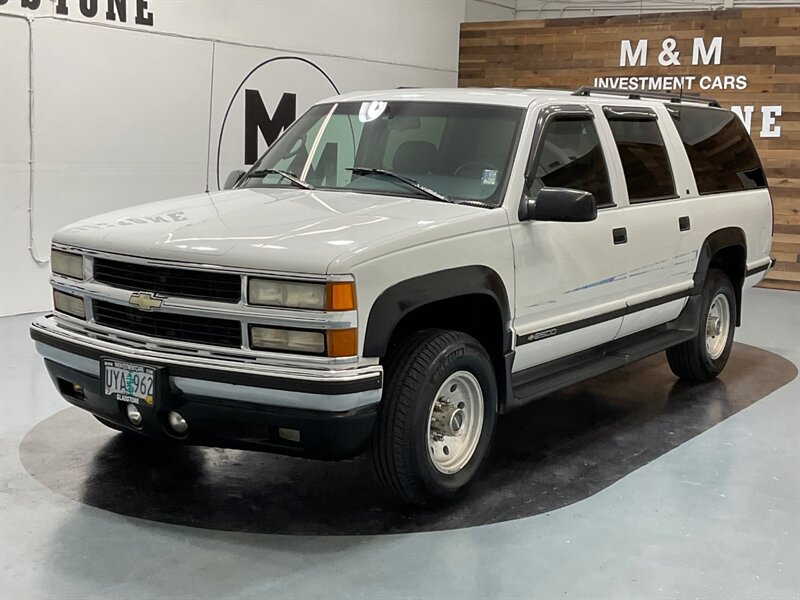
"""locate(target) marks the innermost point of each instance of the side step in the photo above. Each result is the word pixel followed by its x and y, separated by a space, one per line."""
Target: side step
pixel 541 380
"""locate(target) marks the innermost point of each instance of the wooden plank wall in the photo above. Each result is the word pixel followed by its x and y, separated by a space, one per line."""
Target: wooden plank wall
pixel 761 44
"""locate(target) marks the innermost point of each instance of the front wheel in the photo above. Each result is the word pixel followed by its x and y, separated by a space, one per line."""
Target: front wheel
pixel 703 357
pixel 436 418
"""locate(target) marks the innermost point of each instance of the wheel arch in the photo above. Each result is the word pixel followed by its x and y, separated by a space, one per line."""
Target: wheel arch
pixel 445 299
pixel 726 250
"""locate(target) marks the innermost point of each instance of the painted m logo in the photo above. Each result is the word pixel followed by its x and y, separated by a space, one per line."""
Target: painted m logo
pixel 629 56
pixel 257 119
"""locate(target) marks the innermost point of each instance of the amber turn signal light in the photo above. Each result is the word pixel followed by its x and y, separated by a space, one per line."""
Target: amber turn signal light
pixel 342 342
pixel 341 295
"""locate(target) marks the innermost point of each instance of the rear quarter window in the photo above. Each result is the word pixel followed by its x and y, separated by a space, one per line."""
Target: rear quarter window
pixel 720 150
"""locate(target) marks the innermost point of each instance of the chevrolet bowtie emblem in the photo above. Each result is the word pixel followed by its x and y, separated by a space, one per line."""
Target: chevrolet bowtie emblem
pixel 145 300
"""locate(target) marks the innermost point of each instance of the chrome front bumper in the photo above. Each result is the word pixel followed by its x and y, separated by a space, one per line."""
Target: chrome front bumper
pixel 329 388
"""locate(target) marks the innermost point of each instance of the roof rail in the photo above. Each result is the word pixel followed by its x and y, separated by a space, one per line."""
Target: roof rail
pixel 589 90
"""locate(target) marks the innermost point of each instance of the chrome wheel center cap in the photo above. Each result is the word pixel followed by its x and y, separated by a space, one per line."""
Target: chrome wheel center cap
pixel 448 420
pixel 456 421
pixel 717 326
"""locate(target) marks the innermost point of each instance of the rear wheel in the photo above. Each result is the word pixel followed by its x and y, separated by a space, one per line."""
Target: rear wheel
pixel 703 357
pixel 436 418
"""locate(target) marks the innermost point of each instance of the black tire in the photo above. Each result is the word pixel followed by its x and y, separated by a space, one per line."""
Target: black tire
pixel 399 447
pixel 691 360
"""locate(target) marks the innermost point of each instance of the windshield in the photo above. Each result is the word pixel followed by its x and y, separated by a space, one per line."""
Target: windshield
pixel 459 151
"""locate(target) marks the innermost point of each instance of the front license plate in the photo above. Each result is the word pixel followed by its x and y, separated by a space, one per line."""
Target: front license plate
pixel 129 382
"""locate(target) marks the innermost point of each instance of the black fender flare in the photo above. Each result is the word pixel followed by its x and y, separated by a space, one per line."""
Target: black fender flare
pixel 402 298
pixel 719 240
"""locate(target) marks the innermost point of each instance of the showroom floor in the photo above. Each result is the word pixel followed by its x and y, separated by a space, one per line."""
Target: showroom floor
pixel 696 497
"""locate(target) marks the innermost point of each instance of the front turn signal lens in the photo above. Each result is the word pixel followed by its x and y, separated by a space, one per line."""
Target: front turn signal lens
pixel 341 295
pixel 342 342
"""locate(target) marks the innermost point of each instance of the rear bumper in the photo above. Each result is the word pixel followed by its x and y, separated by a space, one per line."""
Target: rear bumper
pixel 331 414
pixel 761 267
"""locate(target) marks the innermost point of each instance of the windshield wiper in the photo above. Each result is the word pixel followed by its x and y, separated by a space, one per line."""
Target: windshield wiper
pixel 407 180
pixel 285 174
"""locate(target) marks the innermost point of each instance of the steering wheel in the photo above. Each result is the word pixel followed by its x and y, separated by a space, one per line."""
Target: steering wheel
pixel 482 165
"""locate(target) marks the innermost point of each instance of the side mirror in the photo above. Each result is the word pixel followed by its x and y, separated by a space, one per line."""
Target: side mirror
pixel 232 179
pixel 562 204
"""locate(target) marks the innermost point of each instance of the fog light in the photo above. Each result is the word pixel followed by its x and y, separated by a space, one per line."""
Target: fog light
pixel 134 416
pixel 67 303
pixel 177 422
pixel 289 434
pixel 287 340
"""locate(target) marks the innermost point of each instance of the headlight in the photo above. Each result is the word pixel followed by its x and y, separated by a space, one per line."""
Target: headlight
pixel 287 340
pixel 338 295
pixel 66 263
pixel 67 303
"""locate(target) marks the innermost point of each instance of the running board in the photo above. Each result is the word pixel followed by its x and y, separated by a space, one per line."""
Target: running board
pixel 542 380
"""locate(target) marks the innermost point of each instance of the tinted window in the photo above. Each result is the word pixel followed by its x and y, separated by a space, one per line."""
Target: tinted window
pixel 648 173
pixel 720 150
pixel 570 156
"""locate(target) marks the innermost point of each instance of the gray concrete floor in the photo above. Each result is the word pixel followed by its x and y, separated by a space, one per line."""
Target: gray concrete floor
pixel 718 517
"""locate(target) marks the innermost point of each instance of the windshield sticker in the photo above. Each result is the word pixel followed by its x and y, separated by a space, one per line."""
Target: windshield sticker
pixel 489 177
pixel 371 110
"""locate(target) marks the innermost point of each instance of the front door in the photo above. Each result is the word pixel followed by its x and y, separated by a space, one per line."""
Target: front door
pixel 571 278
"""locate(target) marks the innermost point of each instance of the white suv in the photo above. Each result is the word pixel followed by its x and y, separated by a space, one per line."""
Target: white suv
pixel 401 266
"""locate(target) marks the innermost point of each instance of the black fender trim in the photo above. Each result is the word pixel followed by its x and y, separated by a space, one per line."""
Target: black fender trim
pixel 404 297
pixel 719 240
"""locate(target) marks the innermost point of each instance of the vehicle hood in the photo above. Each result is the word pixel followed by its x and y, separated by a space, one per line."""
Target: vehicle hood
pixel 294 230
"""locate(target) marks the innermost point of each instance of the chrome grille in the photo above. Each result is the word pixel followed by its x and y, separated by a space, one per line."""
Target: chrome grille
pixel 171 326
pixel 187 283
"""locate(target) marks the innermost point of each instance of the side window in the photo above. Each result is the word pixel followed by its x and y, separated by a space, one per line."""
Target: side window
pixel 719 148
pixel 648 173
pixel 570 156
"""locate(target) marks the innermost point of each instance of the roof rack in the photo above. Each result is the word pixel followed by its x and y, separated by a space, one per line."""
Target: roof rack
pixel 677 98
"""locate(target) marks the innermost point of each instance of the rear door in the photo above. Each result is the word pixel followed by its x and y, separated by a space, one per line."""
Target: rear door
pixel 656 215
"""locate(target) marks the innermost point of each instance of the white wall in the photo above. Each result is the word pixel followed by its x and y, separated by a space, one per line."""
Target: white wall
pixel 126 113
pixel 490 10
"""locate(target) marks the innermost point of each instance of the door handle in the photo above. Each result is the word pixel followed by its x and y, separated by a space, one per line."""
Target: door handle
pixel 620 235
pixel 684 223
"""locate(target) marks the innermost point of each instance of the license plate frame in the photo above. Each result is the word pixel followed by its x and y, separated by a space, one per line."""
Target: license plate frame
pixel 142 382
